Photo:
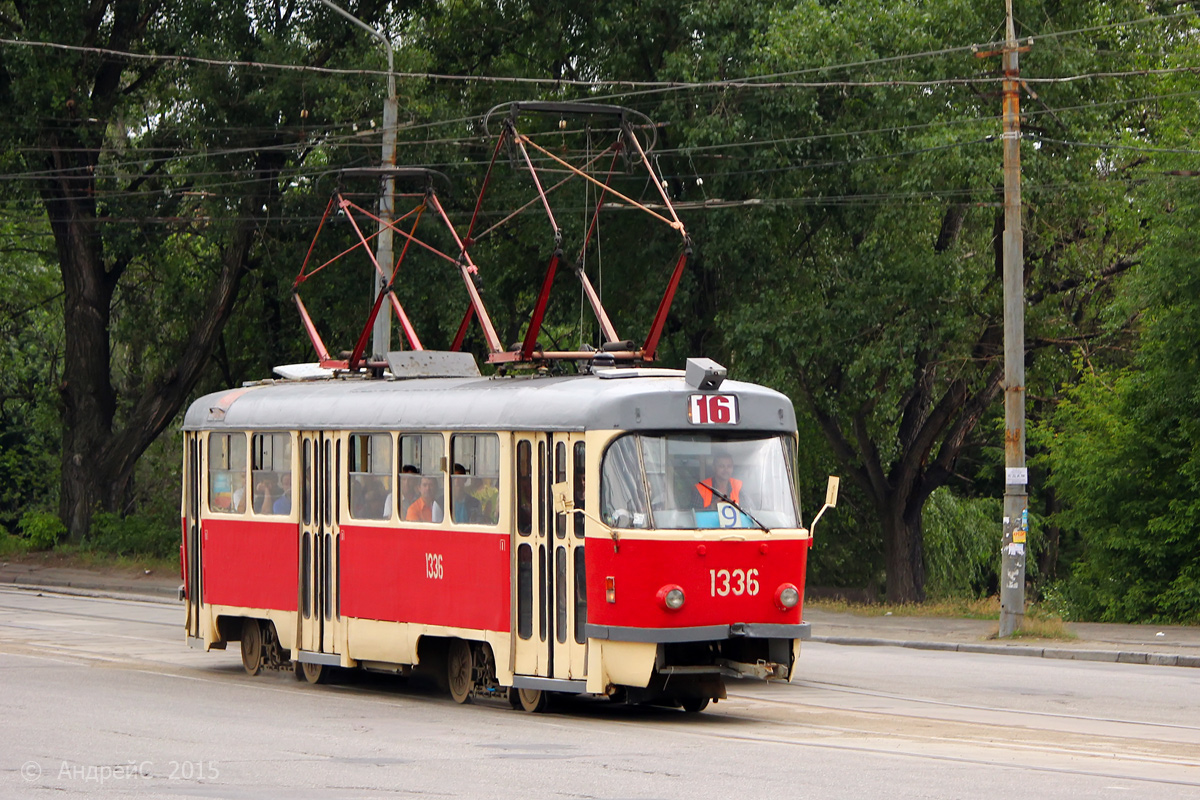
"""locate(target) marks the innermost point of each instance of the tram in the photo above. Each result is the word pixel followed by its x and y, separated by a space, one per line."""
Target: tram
pixel 517 535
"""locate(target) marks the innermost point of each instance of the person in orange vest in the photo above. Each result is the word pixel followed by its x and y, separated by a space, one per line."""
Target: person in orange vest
pixel 722 480
pixel 426 507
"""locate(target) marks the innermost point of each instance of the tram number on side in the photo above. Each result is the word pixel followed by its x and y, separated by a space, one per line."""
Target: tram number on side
pixel 723 582
pixel 433 566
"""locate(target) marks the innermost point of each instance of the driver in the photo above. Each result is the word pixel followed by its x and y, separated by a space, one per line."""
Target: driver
pixel 722 481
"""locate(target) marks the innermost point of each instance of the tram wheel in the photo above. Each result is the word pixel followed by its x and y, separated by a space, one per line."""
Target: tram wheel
pixel 694 705
pixel 252 646
pixel 313 673
pixel 459 668
pixel 532 700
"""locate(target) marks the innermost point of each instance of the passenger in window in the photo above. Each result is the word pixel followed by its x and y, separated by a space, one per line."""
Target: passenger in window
pixel 425 508
pixel 488 495
pixel 410 488
pixel 710 490
pixel 283 505
pixel 467 507
pixel 239 493
pixel 264 497
pixel 373 499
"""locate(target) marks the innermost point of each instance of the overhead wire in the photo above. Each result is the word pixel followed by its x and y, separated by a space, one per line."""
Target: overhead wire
pixel 356 139
pixel 690 150
pixel 558 81
pixel 870 198
pixel 686 150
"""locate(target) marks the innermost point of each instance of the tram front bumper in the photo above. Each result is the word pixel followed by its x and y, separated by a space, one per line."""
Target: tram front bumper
pixel 762 670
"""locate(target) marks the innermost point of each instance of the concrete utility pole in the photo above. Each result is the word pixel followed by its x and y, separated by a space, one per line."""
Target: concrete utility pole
pixel 382 333
pixel 1016 508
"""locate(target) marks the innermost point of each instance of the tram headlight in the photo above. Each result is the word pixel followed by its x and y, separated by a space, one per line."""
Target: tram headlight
pixel 671 597
pixel 787 596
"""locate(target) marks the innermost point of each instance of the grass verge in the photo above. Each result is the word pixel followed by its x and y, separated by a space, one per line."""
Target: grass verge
pixel 76 557
pixel 986 608
pixel 1038 623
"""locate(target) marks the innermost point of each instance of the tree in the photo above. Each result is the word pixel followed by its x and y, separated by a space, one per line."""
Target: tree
pixel 861 270
pixel 107 136
pixel 30 361
pixel 1123 445
pixel 868 283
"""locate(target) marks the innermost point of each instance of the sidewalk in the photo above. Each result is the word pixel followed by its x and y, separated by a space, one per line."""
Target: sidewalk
pixel 1172 645
pixel 101 582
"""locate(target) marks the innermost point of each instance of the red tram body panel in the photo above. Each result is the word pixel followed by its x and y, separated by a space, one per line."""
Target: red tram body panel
pixel 722 582
pixel 386 575
pixel 250 564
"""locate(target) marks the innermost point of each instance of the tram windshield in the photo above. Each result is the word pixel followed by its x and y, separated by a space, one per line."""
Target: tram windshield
pixel 682 481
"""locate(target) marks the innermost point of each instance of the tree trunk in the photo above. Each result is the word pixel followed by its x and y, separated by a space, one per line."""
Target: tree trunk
pixel 904 550
pixel 1048 561
pixel 98 462
pixel 933 430
pixel 88 399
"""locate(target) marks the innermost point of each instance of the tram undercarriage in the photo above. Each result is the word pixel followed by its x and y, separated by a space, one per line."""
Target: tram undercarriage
pixel 684 674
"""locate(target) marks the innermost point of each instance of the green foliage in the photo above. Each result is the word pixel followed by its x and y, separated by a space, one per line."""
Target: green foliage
pixel 132 536
pixel 962 545
pixel 862 281
pixel 1126 452
pixel 30 352
pixel 42 530
pixel 844 553
pixel 11 545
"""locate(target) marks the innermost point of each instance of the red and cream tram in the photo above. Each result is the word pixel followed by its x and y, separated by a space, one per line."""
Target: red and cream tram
pixel 519 535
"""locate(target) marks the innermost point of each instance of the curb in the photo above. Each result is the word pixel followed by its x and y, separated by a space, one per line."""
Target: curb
pixel 165 596
pixel 1108 656
pixel 161 597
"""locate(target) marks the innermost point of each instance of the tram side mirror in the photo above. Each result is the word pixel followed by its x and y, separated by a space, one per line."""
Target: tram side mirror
pixel 831 491
pixel 564 498
pixel 831 495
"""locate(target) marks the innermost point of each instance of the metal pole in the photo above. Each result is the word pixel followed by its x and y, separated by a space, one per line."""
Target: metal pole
pixel 382 334
pixel 1016 509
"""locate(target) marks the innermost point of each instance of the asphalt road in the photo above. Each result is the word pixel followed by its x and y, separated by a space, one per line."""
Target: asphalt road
pixel 101 697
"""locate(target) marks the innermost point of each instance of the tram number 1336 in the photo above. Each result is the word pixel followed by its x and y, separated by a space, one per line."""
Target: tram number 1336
pixel 433 566
pixel 723 582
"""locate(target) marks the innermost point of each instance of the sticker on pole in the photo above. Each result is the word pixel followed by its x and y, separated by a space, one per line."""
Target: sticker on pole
pixel 1015 476
pixel 713 409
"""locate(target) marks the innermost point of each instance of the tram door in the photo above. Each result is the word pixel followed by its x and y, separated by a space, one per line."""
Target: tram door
pixel 318 603
pixel 550 601
pixel 193 469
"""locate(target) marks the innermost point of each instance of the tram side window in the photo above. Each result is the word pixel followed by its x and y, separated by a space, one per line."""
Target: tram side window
pixel 524 487
pixel 580 486
pixel 622 492
pixel 227 472
pixel 271 473
pixel 422 477
pixel 370 464
pixel 475 478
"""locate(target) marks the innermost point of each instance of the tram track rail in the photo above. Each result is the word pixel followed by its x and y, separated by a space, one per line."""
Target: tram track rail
pixel 809 714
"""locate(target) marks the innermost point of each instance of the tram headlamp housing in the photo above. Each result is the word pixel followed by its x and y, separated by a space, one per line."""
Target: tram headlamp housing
pixel 671 597
pixel 787 596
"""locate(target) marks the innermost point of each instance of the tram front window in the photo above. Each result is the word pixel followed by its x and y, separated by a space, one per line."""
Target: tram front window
pixel 689 481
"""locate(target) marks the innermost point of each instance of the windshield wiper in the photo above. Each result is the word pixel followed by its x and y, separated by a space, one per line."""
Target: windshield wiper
pixel 733 503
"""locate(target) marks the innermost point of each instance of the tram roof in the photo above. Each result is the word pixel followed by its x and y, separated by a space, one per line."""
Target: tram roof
pixel 629 399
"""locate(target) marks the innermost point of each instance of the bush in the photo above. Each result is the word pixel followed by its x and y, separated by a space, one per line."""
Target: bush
pixel 41 529
pixel 962 545
pixel 10 545
pixel 132 536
